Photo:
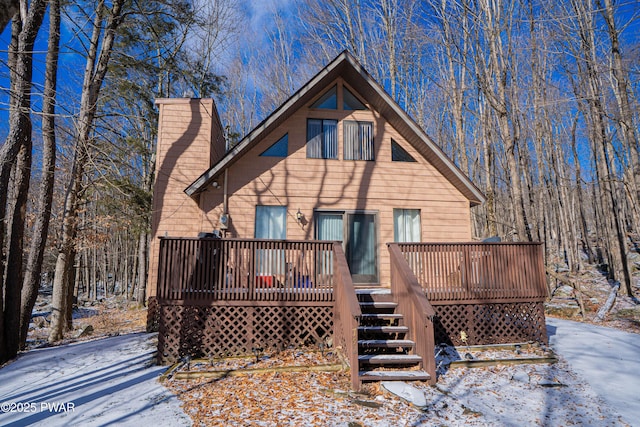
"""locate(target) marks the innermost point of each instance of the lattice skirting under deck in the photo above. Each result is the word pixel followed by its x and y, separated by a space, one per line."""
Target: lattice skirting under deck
pixel 220 331
pixel 497 323
pixel 153 314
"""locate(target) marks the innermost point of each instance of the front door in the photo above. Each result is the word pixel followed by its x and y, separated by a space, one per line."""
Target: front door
pixel 357 231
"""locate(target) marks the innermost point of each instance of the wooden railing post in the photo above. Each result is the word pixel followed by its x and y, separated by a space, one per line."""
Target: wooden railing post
pixel 417 311
pixel 346 313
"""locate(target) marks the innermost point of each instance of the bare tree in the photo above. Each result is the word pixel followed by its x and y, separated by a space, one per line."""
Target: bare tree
pixel 8 8
pixel 16 155
pixel 105 23
pixel 33 267
pixel 601 142
pixel 495 73
pixel 456 49
pixel 626 120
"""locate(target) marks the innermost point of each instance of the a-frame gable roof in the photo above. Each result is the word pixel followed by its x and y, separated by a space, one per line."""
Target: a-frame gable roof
pixel 347 67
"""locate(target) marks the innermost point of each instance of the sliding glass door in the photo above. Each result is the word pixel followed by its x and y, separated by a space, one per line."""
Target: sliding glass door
pixel 357 231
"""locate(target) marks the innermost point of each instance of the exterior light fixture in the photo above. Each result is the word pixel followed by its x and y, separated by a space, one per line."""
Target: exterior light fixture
pixel 299 215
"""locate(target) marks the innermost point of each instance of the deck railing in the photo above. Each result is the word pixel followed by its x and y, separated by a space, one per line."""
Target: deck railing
pixel 204 270
pixel 478 272
pixel 413 304
pixel 346 313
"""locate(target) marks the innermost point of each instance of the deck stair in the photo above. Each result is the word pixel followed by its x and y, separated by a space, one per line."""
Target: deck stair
pixel 384 352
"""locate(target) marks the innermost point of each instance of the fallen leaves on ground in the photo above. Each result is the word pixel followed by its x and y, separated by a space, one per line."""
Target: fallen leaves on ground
pixel 495 395
pixel 282 398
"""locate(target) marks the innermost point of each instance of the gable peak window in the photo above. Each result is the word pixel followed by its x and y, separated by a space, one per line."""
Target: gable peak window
pixel 350 101
pixel 280 148
pixel 358 140
pixel 328 101
pixel 399 154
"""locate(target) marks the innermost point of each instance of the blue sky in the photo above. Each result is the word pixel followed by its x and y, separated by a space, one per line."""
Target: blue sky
pixel 69 72
pixel 255 20
pixel 255 17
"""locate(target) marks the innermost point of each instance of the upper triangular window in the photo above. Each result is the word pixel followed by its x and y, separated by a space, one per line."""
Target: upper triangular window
pixel 280 148
pixel 350 101
pixel 399 154
pixel 328 101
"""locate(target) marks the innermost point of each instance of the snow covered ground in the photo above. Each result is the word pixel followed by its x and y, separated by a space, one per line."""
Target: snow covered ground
pixel 105 382
pixel 608 359
pixel 112 381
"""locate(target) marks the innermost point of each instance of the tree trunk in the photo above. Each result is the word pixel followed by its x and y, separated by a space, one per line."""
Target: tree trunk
pixel 142 269
pixel 88 286
pixel 17 151
pixel 487 150
pixel 615 235
pixel 625 120
pixel 71 280
pixel 584 228
pixel 494 79
pixel 43 205
pixel 95 71
pixel 8 8
pixel 14 272
pixel 6 159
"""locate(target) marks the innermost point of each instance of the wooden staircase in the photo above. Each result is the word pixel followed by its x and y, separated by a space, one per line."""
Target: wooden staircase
pixel 384 352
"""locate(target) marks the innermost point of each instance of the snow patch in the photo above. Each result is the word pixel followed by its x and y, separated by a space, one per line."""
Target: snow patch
pixel 407 392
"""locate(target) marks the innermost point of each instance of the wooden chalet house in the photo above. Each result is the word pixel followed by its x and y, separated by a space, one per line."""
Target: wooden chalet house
pixel 336 221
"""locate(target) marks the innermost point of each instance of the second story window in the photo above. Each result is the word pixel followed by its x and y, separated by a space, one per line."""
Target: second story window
pixel 358 140
pixel 322 139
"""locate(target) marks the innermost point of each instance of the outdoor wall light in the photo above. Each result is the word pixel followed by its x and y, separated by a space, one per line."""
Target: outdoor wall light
pixel 299 215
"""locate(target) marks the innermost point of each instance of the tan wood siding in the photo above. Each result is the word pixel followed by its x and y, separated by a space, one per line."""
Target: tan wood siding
pixel 319 184
pixel 186 133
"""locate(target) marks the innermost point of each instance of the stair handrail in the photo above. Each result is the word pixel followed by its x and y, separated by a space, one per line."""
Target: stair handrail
pixel 416 308
pixel 346 313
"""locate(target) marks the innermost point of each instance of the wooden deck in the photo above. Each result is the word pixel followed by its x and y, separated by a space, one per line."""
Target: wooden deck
pixel 221 297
